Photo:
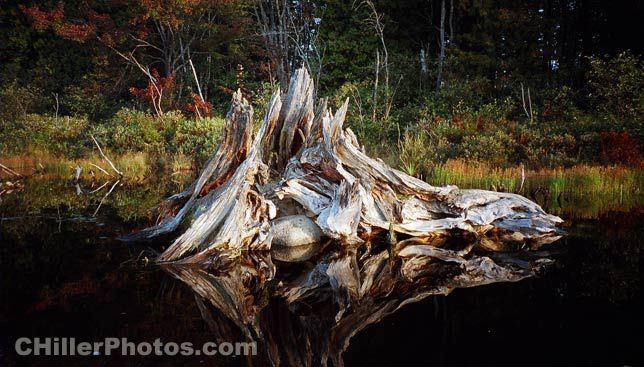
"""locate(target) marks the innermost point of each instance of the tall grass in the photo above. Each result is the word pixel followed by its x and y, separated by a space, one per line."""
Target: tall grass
pixel 461 173
pixel 581 191
pixel 133 165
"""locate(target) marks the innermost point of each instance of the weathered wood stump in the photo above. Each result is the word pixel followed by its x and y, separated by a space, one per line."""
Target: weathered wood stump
pixel 302 162
pixel 358 239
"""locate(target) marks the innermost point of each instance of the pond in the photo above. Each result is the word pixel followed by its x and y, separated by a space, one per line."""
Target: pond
pixel 63 274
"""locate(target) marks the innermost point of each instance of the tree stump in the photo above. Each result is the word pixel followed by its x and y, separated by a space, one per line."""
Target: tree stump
pixel 302 162
pixel 385 238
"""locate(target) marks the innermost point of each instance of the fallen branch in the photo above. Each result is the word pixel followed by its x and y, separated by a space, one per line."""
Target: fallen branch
pixel 105 157
pixel 9 170
pixel 101 169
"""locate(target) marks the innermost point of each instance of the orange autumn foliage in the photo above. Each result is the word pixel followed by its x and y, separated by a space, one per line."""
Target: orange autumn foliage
pixel 199 107
pixel 154 92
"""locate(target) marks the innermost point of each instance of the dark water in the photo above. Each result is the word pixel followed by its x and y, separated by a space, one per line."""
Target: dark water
pixel 63 275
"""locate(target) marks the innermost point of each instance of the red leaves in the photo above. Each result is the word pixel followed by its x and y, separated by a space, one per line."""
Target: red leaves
pixel 199 107
pixel 75 32
pixel 55 19
pixel 157 88
pixel 41 19
pixel 620 147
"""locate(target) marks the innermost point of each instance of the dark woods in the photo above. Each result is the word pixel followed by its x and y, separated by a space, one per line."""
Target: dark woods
pixel 544 83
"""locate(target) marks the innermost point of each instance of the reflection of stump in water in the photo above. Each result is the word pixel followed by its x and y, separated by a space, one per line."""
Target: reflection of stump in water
pixel 310 311
pixel 387 235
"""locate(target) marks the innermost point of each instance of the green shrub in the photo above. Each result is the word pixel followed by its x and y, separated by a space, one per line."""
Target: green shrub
pixel 76 101
pixel 135 131
pixel 16 101
pixel 131 131
pixel 128 131
pixel 197 139
pixel 617 86
pixel 497 148
pixel 62 135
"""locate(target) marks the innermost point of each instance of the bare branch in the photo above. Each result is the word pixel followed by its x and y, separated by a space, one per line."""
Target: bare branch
pixel 105 157
pixel 101 169
pixel 9 170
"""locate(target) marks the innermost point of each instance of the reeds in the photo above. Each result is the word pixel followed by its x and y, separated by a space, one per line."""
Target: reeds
pixel 482 176
pixel 134 166
pixel 581 191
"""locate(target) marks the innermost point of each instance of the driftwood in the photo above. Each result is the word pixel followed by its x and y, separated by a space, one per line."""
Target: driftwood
pixel 303 162
pixel 301 216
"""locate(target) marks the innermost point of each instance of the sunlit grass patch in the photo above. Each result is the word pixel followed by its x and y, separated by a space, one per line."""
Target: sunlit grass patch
pixel 585 190
pixel 475 175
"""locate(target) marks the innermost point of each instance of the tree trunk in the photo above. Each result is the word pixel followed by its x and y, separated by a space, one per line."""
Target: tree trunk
pixel 441 52
pixel 451 23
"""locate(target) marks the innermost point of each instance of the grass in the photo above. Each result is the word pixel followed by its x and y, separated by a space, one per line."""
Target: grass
pixel 581 191
pixel 461 173
pixel 582 178
pixel 135 166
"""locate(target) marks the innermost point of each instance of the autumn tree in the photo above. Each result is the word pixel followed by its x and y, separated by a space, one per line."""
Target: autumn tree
pixel 173 44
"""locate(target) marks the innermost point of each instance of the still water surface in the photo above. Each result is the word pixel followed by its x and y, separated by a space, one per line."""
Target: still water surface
pixel 62 274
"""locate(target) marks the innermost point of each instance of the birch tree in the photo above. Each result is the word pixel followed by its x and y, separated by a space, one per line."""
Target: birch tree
pixel 441 45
